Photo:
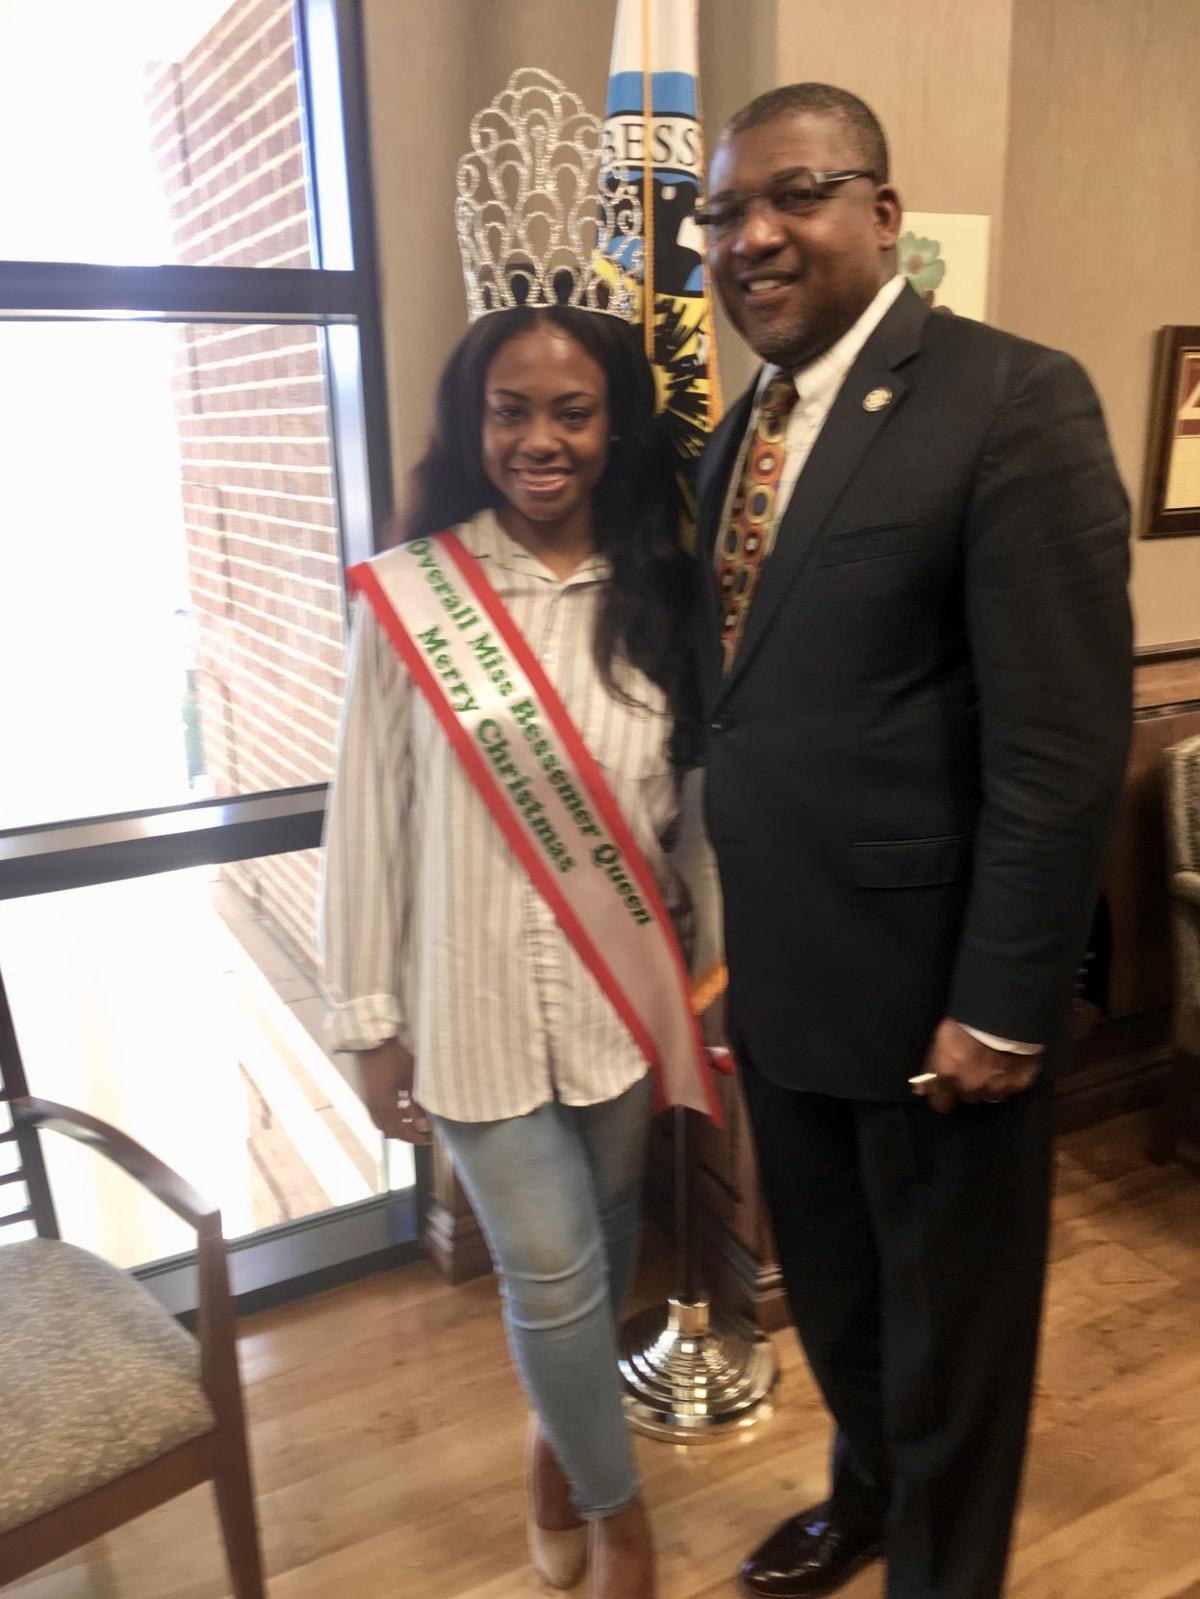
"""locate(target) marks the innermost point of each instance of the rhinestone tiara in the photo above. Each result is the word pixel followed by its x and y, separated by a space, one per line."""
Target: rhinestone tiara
pixel 543 217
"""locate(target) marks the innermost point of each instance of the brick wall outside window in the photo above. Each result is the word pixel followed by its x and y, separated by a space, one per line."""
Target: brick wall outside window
pixel 258 478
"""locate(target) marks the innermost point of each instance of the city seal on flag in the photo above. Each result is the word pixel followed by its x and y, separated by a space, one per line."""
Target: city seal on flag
pixel 653 140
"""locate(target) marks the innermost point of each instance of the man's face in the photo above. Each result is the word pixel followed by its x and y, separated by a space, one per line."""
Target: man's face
pixel 792 285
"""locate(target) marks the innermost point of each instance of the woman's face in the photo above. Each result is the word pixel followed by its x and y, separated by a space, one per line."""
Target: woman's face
pixel 545 427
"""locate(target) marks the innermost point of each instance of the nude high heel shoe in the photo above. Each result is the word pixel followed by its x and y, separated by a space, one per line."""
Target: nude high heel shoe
pixel 559 1558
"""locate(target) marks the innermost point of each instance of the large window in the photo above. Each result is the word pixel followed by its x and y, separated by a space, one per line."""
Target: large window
pixel 154 131
pixel 168 493
pixel 192 447
pixel 181 1012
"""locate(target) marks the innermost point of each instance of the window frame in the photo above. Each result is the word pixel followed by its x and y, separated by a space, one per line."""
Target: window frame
pixel 330 46
pixel 342 301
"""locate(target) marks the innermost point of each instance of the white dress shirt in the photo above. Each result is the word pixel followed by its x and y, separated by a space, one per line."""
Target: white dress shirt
pixel 817 387
pixel 430 930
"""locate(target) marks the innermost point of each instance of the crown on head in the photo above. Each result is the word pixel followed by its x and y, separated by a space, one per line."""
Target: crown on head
pixel 543 217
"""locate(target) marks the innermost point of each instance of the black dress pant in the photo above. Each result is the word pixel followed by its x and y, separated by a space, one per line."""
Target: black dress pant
pixel 913 1251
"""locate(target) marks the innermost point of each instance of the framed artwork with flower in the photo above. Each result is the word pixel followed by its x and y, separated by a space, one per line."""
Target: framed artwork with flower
pixel 1171 502
pixel 944 256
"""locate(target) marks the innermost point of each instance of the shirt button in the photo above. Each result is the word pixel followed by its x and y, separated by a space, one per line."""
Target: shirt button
pixel 721 723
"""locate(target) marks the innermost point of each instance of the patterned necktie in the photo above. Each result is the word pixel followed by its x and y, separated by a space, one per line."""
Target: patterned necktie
pixel 755 507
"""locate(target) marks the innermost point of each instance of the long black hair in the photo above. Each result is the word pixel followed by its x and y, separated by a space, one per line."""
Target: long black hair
pixel 643 618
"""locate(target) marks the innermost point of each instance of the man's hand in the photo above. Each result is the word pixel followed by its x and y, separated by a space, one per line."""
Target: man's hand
pixel 385 1080
pixel 961 1068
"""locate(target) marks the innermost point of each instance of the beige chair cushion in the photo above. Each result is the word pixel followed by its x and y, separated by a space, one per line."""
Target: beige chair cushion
pixel 95 1378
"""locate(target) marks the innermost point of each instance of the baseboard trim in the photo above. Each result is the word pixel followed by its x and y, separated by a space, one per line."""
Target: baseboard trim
pixel 1122 1066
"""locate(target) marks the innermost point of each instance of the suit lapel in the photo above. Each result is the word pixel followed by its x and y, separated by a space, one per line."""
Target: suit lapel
pixel 848 433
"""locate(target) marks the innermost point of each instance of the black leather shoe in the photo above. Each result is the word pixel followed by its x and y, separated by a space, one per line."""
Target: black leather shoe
pixel 807 1556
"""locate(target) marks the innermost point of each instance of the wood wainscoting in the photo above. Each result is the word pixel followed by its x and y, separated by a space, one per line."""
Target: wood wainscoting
pixel 452 1234
pixel 1122 1061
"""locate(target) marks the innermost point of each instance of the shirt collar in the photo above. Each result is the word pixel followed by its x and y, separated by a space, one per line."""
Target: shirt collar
pixel 820 379
pixel 487 540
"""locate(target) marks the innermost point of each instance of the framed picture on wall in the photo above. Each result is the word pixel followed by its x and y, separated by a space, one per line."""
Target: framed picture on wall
pixel 1171 502
pixel 945 258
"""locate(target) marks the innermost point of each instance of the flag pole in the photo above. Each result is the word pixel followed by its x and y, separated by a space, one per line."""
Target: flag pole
pixel 716 405
pixel 648 301
pixel 691 1373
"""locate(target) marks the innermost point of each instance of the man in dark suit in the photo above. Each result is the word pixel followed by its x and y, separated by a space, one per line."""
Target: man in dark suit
pixel 915 649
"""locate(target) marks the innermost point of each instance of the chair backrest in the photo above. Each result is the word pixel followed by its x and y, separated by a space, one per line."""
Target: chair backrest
pixel 1183 805
pixel 29 1168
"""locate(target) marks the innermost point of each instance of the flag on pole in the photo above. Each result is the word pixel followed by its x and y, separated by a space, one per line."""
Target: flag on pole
pixel 661 155
pixel 653 140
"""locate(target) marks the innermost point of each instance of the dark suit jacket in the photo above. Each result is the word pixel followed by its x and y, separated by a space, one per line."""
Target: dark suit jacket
pixel 913 764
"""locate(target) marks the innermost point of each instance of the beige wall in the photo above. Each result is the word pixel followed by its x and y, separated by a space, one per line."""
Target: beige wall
pixel 1012 108
pixel 1016 108
pixel 936 74
pixel 1102 226
pixel 739 46
pixel 430 65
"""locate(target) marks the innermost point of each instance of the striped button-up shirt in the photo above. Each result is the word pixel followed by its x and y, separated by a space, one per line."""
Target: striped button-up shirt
pixel 430 929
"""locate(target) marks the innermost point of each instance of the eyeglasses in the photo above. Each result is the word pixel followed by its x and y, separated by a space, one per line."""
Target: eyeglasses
pixel 800 194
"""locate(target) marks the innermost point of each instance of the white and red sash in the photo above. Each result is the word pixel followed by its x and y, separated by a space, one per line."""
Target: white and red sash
pixel 517 743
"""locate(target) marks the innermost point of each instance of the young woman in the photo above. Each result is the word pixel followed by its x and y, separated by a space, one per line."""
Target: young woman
pixel 466 1005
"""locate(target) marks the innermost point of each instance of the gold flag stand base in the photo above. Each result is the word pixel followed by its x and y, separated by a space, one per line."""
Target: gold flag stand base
pixel 692 1380
pixel 690 1375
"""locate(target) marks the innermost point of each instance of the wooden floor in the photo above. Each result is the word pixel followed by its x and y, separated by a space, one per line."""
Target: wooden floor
pixel 387 1428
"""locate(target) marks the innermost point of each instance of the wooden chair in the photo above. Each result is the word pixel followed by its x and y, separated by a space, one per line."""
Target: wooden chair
pixel 1177 1114
pixel 108 1406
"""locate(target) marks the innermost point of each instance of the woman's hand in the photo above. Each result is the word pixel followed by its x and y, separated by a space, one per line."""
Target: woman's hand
pixel 385 1080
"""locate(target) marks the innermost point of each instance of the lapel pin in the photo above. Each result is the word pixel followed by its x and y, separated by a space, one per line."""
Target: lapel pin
pixel 876 399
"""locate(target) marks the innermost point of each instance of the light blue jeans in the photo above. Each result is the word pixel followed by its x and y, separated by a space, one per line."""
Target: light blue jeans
pixel 558 1195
